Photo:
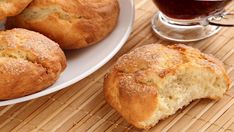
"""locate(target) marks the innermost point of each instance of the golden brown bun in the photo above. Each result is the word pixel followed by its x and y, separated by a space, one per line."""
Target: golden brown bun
pixel 72 23
pixel 154 81
pixel 29 62
pixel 12 7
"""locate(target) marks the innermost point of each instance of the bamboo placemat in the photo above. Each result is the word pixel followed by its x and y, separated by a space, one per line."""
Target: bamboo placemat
pixel 82 107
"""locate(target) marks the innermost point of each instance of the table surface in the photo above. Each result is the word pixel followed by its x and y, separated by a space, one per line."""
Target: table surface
pixel 82 107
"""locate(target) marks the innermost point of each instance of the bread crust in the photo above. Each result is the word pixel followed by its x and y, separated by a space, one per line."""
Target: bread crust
pixel 29 62
pixel 12 7
pixel 73 24
pixel 131 86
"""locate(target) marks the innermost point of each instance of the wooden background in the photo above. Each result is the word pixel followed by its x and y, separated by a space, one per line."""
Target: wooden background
pixel 82 107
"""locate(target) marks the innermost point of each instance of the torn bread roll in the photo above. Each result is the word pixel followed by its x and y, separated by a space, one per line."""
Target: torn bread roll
pixel 154 81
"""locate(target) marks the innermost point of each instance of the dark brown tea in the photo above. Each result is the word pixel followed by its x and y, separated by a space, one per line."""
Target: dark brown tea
pixel 190 9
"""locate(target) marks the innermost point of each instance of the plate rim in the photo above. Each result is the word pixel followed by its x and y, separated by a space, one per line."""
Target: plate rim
pixel 82 76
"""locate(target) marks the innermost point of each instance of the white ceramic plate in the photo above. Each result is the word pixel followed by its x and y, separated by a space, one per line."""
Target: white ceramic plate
pixel 82 63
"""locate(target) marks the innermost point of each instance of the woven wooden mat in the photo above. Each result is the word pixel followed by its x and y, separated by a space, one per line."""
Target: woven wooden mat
pixel 82 107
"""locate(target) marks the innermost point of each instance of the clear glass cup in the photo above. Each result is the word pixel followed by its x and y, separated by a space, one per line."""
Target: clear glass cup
pixel 189 20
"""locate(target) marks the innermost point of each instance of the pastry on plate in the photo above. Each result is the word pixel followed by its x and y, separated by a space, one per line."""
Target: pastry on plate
pixel 29 62
pixel 73 24
pixel 12 7
pixel 154 81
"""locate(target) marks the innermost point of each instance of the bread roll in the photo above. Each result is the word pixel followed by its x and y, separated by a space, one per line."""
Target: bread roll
pixel 71 23
pixel 154 81
pixel 12 7
pixel 29 62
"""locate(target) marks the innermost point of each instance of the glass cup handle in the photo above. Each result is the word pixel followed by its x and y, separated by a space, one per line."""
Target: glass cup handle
pixel 225 19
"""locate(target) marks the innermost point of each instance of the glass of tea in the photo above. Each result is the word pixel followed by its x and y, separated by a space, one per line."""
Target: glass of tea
pixel 187 20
